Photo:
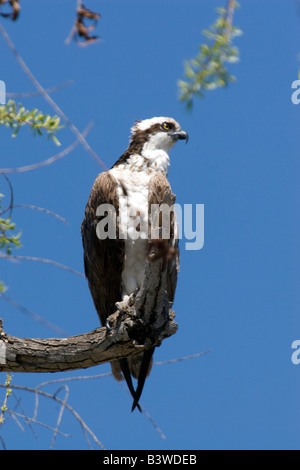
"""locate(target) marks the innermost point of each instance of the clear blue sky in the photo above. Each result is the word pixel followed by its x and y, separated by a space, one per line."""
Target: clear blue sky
pixel 239 295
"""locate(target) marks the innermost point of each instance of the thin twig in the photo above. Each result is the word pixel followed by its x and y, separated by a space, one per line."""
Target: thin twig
pixel 37 393
pixel 37 208
pixel 49 161
pixel 180 359
pixel 160 432
pixel 49 100
pixel 33 315
pixel 74 29
pixel 229 17
pixel 11 189
pixel 148 416
pixel 62 408
pixel 32 420
pixel 71 35
pixel 11 415
pixel 3 443
pixel 18 404
pixel 69 379
pixel 32 94
pixel 107 374
pixel 84 426
pixel 42 260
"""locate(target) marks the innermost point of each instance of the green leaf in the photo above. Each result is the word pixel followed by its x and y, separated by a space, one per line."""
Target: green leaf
pixel 55 140
pixel 17 117
pixel 2 287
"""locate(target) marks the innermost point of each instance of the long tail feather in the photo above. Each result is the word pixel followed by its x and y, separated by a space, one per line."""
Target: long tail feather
pixel 142 376
pixel 126 372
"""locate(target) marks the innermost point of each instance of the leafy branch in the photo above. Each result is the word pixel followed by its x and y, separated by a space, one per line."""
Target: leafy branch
pixel 208 70
pixel 16 116
pixel 8 240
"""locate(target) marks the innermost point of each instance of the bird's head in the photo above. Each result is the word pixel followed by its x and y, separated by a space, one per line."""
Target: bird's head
pixel 158 133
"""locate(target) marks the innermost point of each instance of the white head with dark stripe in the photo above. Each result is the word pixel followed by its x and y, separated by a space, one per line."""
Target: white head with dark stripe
pixel 158 133
pixel 151 140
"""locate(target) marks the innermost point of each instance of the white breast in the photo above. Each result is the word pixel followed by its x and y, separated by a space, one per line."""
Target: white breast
pixel 133 178
pixel 133 204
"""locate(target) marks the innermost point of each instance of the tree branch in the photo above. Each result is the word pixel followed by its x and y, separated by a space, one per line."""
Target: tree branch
pixel 144 322
pixel 32 94
pixel 49 161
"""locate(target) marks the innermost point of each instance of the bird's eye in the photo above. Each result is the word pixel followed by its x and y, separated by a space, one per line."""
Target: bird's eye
pixel 166 126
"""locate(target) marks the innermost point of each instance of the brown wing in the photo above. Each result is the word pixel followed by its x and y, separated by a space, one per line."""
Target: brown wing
pixel 103 262
pixel 159 193
pixel 103 259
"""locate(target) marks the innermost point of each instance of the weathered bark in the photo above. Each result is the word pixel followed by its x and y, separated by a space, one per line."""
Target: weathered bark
pixel 145 322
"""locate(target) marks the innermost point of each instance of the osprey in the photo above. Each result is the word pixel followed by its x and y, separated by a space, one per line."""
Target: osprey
pixel 115 266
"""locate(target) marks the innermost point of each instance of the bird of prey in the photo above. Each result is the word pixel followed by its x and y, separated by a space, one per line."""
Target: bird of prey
pixel 114 266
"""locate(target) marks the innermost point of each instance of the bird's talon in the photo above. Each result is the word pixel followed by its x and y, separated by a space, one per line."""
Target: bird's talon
pixel 118 307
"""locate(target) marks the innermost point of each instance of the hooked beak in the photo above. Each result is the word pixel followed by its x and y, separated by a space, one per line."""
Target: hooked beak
pixel 181 135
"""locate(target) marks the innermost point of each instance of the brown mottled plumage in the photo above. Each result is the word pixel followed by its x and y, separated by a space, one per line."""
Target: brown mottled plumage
pixel 103 259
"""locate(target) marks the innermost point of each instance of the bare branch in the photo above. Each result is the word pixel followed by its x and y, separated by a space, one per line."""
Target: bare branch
pixel 56 430
pixel 180 359
pixel 49 161
pixel 160 432
pixel 33 315
pixel 39 209
pixel 84 426
pixel 76 352
pixel 71 35
pixel 15 414
pixel 73 30
pixel 32 94
pixel 18 404
pixel 11 190
pixel 33 420
pixel 143 323
pixel 231 5
pixel 109 374
pixel 42 260
pixel 71 379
